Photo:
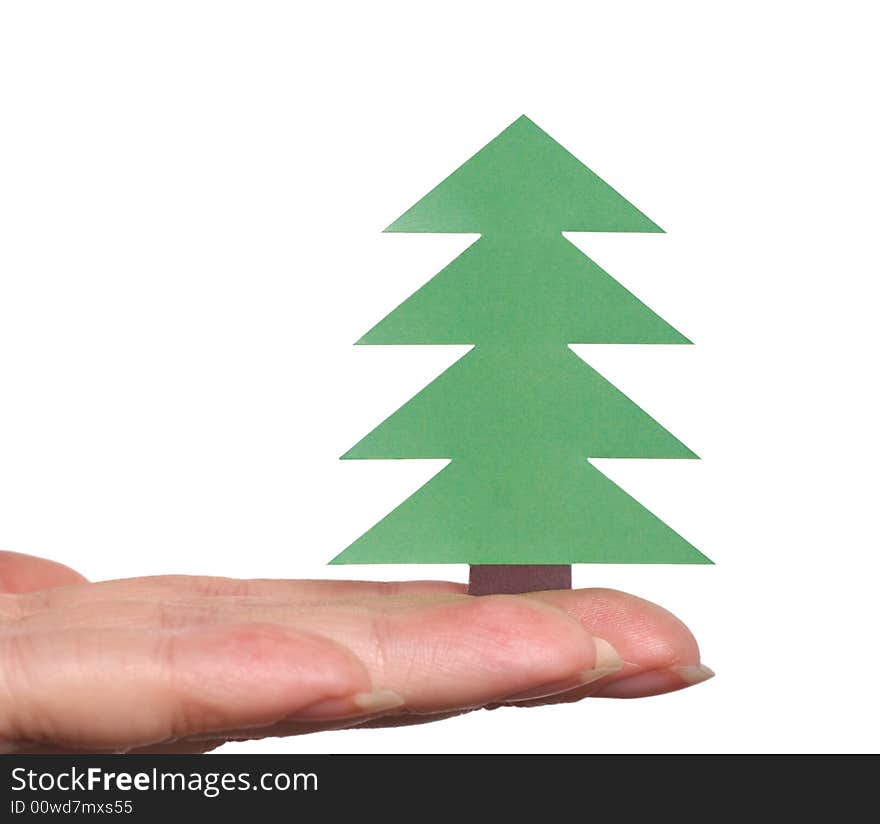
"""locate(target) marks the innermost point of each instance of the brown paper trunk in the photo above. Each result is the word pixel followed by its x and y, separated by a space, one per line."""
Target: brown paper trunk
pixel 490 579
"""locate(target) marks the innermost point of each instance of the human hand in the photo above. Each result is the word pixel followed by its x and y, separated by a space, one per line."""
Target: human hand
pixel 184 664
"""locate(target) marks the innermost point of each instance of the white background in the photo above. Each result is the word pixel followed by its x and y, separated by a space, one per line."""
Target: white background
pixel 191 204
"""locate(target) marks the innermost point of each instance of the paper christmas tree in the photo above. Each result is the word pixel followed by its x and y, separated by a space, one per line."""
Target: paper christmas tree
pixel 520 414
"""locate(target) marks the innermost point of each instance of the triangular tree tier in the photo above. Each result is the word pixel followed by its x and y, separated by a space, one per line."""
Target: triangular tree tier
pixel 535 401
pixel 532 289
pixel 521 513
pixel 523 179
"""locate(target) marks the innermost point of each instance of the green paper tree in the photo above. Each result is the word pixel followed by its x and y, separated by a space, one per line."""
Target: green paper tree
pixel 520 414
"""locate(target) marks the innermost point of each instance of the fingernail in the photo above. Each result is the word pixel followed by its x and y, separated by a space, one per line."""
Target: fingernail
pixel 694 675
pixel 361 703
pixel 655 682
pixel 607 662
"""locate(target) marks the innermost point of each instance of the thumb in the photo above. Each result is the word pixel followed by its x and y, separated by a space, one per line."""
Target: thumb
pixel 27 573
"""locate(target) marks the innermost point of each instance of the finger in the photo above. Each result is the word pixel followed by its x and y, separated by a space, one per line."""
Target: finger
pixel 114 689
pixel 27 573
pixel 451 656
pixel 179 747
pixel 659 652
pixel 285 729
pixel 187 586
pixel 440 652
pixel 444 653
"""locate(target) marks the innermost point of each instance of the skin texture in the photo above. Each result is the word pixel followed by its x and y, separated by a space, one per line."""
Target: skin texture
pixel 183 664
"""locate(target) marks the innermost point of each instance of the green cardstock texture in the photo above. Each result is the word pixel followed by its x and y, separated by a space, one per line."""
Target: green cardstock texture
pixel 520 414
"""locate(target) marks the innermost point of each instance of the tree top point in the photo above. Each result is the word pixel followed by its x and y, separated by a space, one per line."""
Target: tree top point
pixel 523 181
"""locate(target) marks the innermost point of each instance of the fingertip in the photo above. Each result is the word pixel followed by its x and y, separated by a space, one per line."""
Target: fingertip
pixel 660 652
pixel 655 682
pixel 646 635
